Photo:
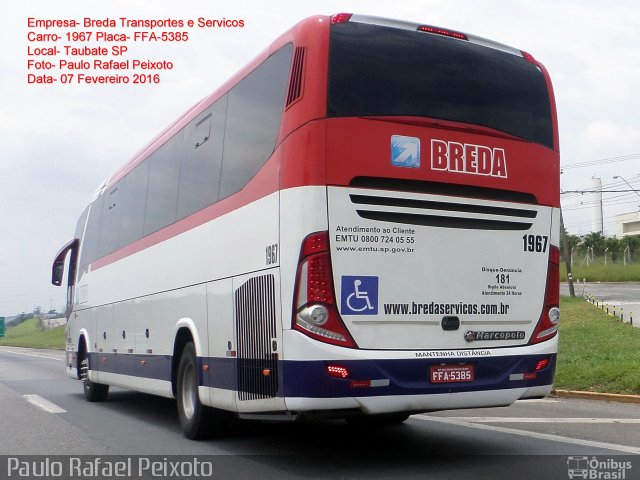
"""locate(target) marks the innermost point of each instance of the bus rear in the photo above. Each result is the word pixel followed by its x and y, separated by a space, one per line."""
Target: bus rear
pixel 433 281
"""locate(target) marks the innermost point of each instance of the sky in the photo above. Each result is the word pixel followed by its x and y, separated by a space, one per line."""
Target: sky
pixel 59 142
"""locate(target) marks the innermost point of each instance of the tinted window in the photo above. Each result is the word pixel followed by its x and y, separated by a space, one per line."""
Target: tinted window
pixel 202 160
pixel 80 227
pixel 162 194
pixel 133 200
pixel 81 223
pixel 110 220
pixel 376 70
pixel 253 120
pixel 89 248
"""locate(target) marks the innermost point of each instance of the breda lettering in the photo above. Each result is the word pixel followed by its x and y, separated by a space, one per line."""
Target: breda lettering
pixel 468 158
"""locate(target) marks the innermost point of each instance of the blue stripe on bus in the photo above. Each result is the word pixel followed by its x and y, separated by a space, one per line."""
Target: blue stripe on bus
pixel 156 367
pixel 310 378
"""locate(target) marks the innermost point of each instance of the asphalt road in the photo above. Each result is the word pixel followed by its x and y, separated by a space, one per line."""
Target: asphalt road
pixel 625 296
pixel 531 439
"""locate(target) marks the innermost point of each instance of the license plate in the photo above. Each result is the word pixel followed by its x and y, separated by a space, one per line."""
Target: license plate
pixel 452 373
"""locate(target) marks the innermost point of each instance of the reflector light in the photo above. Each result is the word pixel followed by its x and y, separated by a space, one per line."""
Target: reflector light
pixel 542 364
pixel 530 376
pixel 340 18
pixel 529 58
pixel 443 32
pixel 360 383
pixel 337 371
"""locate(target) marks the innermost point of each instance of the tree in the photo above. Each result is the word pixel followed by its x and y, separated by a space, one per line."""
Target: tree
pixel 612 244
pixel 631 241
pixel 594 240
pixel 572 241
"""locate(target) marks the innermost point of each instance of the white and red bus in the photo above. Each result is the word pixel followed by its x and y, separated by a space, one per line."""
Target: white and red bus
pixel 362 223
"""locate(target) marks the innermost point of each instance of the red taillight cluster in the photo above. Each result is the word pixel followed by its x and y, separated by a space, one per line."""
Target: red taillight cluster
pixel 548 323
pixel 315 312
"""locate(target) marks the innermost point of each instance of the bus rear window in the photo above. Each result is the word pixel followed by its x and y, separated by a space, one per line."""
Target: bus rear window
pixel 383 71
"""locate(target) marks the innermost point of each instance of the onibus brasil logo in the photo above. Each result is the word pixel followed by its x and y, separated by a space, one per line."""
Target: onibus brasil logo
pixel 597 468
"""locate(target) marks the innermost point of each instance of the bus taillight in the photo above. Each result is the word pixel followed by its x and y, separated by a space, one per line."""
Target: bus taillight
pixel 443 31
pixel 340 18
pixel 548 323
pixel 315 311
pixel 528 57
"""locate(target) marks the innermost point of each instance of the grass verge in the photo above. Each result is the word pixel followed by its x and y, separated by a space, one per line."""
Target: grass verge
pixel 597 353
pixel 30 334
pixel 599 272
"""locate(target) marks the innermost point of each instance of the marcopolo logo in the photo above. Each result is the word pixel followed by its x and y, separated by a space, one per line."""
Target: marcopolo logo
pixel 471 336
pixel 468 158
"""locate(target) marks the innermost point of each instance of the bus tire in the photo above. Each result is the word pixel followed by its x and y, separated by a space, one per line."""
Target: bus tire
pixel 379 420
pixel 93 392
pixel 194 417
pixel 197 420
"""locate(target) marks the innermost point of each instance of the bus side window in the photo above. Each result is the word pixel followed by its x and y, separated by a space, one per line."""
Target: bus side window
pixel 162 194
pixel 91 237
pixel 202 160
pixel 133 200
pixel 253 120
pixel 110 220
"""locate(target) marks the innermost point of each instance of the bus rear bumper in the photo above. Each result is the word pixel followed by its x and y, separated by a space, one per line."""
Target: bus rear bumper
pixel 415 403
pixel 392 385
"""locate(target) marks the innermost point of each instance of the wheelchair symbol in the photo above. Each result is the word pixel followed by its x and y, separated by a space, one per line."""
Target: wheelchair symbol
pixel 359 295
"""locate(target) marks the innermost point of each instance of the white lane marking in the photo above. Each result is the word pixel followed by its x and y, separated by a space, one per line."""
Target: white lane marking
pixel 524 433
pixel 538 400
pixel 542 420
pixel 44 404
pixel 17 352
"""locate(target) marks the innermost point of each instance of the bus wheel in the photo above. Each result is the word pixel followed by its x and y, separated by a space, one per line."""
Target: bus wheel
pixel 93 392
pixel 379 420
pixel 194 417
pixel 197 420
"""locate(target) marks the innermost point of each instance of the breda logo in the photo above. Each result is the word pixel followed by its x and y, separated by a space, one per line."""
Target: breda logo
pixel 468 158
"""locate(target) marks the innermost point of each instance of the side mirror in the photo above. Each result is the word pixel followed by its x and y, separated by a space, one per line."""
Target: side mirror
pixel 57 270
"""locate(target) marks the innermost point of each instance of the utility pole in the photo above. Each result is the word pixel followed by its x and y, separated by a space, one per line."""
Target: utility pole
pixel 567 256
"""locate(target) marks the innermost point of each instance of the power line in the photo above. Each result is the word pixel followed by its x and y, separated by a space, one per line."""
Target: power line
pixel 628 190
pixel 590 163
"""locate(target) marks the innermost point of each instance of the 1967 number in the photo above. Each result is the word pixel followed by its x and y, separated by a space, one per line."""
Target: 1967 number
pixel 271 254
pixel 535 243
